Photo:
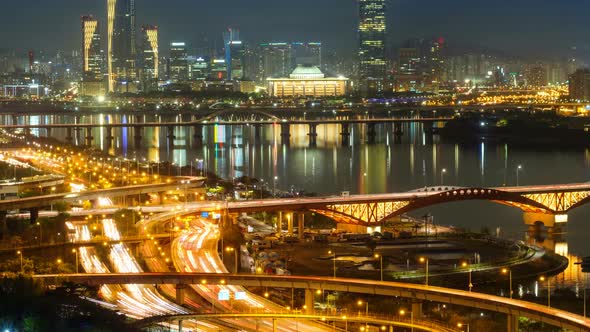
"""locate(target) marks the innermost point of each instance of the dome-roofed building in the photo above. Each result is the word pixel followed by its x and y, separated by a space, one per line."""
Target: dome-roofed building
pixel 307 81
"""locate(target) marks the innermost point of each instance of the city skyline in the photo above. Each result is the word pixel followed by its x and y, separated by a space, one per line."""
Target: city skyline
pixel 332 22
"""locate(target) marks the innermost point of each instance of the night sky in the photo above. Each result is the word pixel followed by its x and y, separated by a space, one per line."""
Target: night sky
pixel 529 27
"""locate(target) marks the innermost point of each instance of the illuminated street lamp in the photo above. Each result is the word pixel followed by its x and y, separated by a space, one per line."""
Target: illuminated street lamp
pixel 274 186
pixel 509 271
pixel 20 253
pixel 470 285
pixel 232 249
pixel 425 260
pixel 403 312
pixel 518 168
pixel 333 253
pixel 442 174
pixel 360 303
pixel 460 325
pixel 381 264
pixel 542 278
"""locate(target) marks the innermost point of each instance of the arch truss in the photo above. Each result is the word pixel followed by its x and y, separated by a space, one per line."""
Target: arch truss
pixel 362 213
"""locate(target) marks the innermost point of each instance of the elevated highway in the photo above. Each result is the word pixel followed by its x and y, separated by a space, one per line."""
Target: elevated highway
pixel 512 308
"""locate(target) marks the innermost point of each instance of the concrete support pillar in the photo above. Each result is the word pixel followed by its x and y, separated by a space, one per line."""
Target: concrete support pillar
pixel 371 133
pixel 274 325
pixel 397 133
pixel 428 131
pixel 34 215
pixel 345 134
pixel 48 131
pixel 512 323
pixel 69 137
pixel 313 135
pixel 14 119
pixel 280 223
pixel 257 133
pixel 532 219
pixel 180 325
pixel 78 134
pixel 3 224
pixel 170 136
pixel 285 133
pixel 300 225
pixel 180 293
pixel 290 223
pixel 137 137
pixel 417 309
pixel 88 139
pixel 109 136
pixel 309 295
pixel 198 135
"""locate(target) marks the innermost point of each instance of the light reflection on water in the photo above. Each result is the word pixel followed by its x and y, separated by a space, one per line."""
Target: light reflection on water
pixel 331 167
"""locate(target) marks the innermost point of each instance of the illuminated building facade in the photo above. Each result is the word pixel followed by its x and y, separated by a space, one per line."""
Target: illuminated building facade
pixel 92 60
pixel 372 29
pixel 234 54
pixel 579 85
pixel 276 60
pixel 121 54
pixel 178 66
pixel 307 81
pixel 150 58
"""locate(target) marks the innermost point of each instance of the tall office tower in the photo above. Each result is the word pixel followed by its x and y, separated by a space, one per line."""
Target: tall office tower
pixel 92 60
pixel 121 44
pixel 307 54
pixel 579 85
pixel 150 65
pixel 234 54
pixel 276 60
pixel 372 62
pixel 178 65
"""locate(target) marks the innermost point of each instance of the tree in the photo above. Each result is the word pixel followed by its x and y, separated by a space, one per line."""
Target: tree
pixel 126 220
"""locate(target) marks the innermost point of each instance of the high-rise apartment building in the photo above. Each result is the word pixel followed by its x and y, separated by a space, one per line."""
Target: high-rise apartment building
pixel 178 66
pixel 150 66
pixel 121 54
pixel 579 85
pixel 92 57
pixel 275 60
pixel 372 61
pixel 307 54
pixel 234 54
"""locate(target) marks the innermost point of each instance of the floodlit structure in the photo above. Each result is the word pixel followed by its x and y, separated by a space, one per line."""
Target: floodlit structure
pixel 307 81
pixel 121 53
pixel 372 29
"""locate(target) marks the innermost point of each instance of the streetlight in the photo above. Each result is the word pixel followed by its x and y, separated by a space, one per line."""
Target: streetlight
pixel 442 174
pixel 425 260
pixel 20 253
pixel 232 249
pixel 333 253
pixel 274 186
pixel 74 251
pixel 518 168
pixel 40 233
pixel 542 278
pixel 360 303
pixel 460 325
pixel 403 312
pixel 509 271
pixel 381 265
pixel 470 285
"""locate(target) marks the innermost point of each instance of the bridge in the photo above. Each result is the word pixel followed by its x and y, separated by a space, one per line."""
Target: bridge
pixel 512 308
pixel 547 204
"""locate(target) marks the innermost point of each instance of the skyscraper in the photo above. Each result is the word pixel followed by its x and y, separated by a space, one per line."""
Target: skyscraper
pixel 276 60
pixel 372 28
pixel 234 54
pixel 121 44
pixel 92 60
pixel 150 58
pixel 308 54
pixel 178 65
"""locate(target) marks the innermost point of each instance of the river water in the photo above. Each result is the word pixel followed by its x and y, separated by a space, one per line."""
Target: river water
pixel 330 167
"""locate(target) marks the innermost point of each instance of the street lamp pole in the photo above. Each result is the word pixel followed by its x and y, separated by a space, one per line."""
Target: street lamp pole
pixel 518 168
pixel 274 186
pixel 459 325
pixel 509 271
pixel 333 253
pixel 425 260
pixel 381 264
pixel 548 290
pixel 442 174
pixel 470 285
pixel 20 253
pixel 76 252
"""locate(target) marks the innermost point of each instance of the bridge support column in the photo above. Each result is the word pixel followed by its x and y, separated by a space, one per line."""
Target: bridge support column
pixel 48 131
pixel 180 325
pixel 417 309
pixel 88 139
pixel 14 119
pixel 280 223
pixel 257 133
pixel 532 219
pixel 170 136
pixel 3 224
pixel 512 323
pixel 33 215
pixel 371 133
pixel 428 131
pixel 290 224
pixel 313 135
pixel 198 135
pixel 78 134
pixel 300 225
pixel 309 295
pixel 345 134
pixel 274 325
pixel 180 293
pixel 285 133
pixel 397 133
pixel 69 137
pixel 109 136
pixel 137 137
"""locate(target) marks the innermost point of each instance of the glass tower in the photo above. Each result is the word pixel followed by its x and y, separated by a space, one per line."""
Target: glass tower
pixel 121 44
pixel 372 29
